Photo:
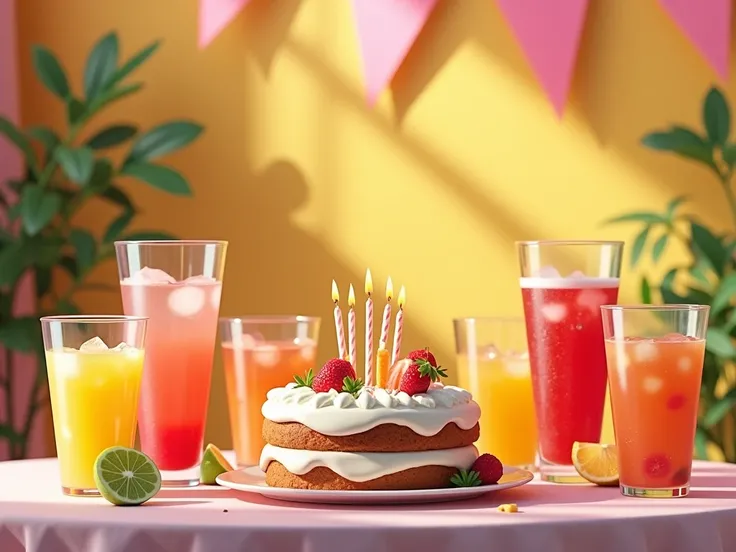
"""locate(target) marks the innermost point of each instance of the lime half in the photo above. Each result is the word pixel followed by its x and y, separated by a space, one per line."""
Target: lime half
pixel 213 464
pixel 126 477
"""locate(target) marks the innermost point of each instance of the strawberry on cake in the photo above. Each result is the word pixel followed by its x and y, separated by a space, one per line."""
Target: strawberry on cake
pixel 329 431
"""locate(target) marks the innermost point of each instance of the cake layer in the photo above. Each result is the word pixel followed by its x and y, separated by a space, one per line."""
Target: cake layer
pixel 383 438
pixel 361 467
pixel 425 477
pixel 341 414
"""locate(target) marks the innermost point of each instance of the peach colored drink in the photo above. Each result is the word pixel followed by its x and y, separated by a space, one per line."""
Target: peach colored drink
pixel 251 371
pixel 655 387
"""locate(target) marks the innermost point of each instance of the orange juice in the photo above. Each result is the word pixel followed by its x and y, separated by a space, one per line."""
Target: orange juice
pixel 501 384
pixel 655 387
pixel 251 371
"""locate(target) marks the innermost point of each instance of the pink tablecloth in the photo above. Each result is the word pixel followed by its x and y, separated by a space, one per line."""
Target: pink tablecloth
pixel 34 516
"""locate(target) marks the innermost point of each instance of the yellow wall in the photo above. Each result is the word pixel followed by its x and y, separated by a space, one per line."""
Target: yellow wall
pixel 432 187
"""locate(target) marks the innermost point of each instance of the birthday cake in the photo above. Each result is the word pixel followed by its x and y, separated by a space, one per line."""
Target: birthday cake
pixel 329 431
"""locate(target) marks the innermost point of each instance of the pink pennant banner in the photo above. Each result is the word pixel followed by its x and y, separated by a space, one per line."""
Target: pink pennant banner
pixel 214 16
pixel 707 23
pixel 549 32
pixel 387 29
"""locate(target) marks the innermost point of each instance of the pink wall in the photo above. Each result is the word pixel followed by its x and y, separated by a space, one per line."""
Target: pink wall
pixel 11 165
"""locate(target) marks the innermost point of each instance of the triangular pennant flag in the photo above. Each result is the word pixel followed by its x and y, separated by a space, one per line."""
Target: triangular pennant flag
pixel 387 29
pixel 707 23
pixel 214 16
pixel 549 32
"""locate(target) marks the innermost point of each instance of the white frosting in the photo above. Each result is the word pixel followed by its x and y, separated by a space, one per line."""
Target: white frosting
pixel 339 414
pixel 364 466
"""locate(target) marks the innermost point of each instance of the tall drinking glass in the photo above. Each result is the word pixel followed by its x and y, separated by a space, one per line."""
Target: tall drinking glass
pixel 94 366
pixel 493 364
pixel 563 285
pixel 177 285
pixel 260 353
pixel 655 364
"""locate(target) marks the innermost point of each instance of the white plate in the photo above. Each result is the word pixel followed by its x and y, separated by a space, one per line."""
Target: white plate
pixel 253 480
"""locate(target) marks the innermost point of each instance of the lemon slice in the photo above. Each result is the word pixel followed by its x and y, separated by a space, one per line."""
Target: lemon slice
pixel 596 462
pixel 213 464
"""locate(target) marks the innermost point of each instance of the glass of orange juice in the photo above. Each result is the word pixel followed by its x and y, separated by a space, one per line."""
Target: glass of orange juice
pixel 94 366
pixel 260 353
pixel 655 364
pixel 493 364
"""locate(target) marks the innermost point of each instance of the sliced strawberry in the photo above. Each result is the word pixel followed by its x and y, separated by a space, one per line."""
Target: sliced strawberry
pixel 675 402
pixel 657 465
pixel 396 373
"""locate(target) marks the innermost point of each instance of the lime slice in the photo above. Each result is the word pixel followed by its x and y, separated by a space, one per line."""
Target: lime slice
pixel 213 464
pixel 126 477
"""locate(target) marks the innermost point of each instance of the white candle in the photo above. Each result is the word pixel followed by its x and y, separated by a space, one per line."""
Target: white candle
pixel 386 325
pixel 369 329
pixel 339 329
pixel 352 339
pixel 399 329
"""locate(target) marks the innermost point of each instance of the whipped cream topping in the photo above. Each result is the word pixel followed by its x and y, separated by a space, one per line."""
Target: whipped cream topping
pixel 334 413
pixel 364 466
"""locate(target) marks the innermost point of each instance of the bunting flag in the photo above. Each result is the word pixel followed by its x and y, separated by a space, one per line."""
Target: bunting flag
pixel 387 29
pixel 214 16
pixel 549 32
pixel 707 23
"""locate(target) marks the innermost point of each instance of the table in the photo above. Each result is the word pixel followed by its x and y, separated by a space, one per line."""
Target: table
pixel 36 517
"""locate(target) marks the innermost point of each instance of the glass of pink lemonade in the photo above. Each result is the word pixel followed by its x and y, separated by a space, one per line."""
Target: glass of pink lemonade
pixel 177 285
pixel 655 365
pixel 563 285
pixel 260 353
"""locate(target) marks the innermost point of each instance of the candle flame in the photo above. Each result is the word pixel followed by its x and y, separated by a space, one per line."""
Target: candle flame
pixel 335 293
pixel 389 289
pixel 368 282
pixel 402 297
pixel 351 297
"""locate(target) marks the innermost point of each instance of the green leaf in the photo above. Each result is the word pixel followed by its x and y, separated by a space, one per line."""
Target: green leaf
pixel 46 136
pixel 659 247
pixel 148 235
pixel 158 176
pixel 665 289
pixel 85 246
pixel 13 133
pixel 101 175
pixel 719 343
pixel 645 291
pixel 10 434
pixel 118 196
pixel 638 247
pixel 21 334
pixel 77 163
pixel 14 261
pixel 163 139
pixel 137 59
pixel 38 208
pixel 43 281
pixel 710 247
pixel 113 95
pixel 645 217
pixel 70 265
pixel 697 271
pixel 44 251
pixel 76 111
pixel 50 71
pixel 101 65
pixel 112 136
pixel 66 306
pixel 722 298
pixel 719 409
pixel 716 117
pixel 117 226
pixel 701 443
pixel 672 207
pixel 683 142
pixel 729 154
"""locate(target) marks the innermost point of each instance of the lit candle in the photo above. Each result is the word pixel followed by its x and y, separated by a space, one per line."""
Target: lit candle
pixel 339 329
pixel 352 343
pixel 399 329
pixel 368 329
pixel 386 326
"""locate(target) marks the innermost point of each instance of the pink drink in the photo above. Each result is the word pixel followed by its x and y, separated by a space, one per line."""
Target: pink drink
pixel 179 347
pixel 568 359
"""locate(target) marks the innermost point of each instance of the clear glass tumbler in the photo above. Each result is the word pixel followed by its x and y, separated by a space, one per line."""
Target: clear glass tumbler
pixel 177 285
pixel 94 365
pixel 655 364
pixel 260 353
pixel 563 285
pixel 493 364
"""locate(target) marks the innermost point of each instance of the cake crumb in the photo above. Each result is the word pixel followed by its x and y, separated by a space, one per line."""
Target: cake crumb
pixel 508 508
pixel 224 511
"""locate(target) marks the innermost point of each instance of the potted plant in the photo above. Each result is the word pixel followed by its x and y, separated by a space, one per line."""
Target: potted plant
pixel 62 174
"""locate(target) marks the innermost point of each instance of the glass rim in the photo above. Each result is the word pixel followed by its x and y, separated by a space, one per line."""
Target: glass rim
pixel 94 318
pixel 663 308
pixel 170 242
pixel 569 242
pixel 489 319
pixel 268 319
